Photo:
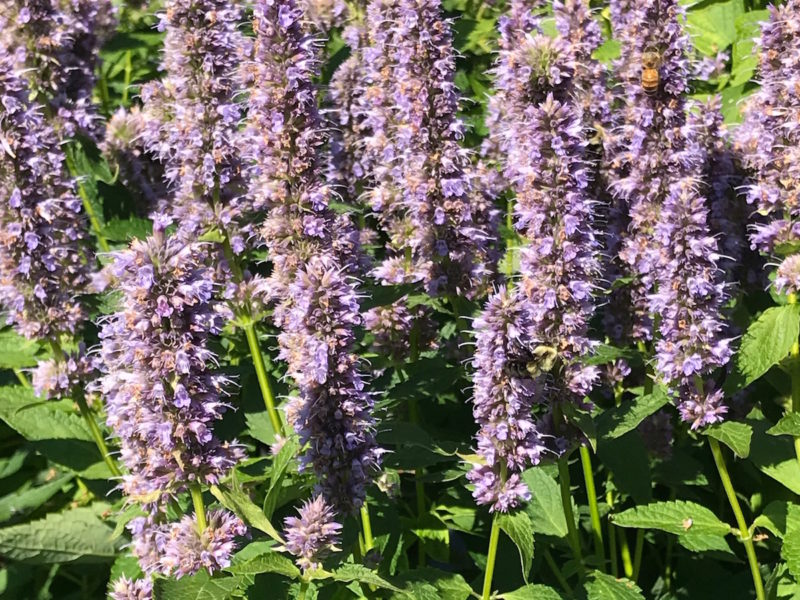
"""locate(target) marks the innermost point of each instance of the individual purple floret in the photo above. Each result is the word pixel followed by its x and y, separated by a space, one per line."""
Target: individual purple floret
pixel 312 253
pixel 769 140
pixel 45 256
pixel 313 534
pixel 504 396
pixel 126 589
pixel 193 115
pixel 56 47
pixel 424 200
pixel 161 391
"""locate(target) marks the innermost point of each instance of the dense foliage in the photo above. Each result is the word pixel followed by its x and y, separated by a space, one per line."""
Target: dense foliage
pixel 401 299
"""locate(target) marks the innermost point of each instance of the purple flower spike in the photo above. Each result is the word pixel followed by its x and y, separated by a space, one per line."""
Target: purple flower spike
pixel 125 589
pixel 313 534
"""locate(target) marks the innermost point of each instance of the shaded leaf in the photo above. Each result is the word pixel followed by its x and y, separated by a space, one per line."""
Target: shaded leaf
pixel 619 420
pixel 788 425
pixel 606 587
pixel 790 551
pixel 702 542
pixel 31 498
pixel 773 517
pixel 533 591
pixel 518 527
pixel 545 509
pixel 196 587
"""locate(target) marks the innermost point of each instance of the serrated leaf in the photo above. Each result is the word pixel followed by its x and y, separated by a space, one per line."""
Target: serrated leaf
pixel 76 535
pixel 712 26
pixel 607 587
pixel 533 591
pixel 518 527
pixel 773 517
pixel 701 542
pixel 734 435
pixel 272 562
pixel 676 516
pixel 21 502
pixel 196 587
pixel 790 551
pixel 433 583
pixel 16 352
pixel 545 509
pixel 240 503
pixel 773 455
pixel 626 417
pixel 788 425
pixel 280 464
pixel 361 574
pixel 768 341
pixel 36 420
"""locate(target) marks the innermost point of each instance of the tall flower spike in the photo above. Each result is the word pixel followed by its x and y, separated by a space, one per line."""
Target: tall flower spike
pixel 57 46
pixel 647 151
pixel 311 251
pixel 769 143
pixel 193 115
pixel 45 256
pixel 313 534
pixel 426 202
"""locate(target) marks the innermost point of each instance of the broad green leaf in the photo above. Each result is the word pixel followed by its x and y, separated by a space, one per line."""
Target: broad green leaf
pixel 196 587
pixel 768 341
pixel 703 542
pixel 676 516
pixel 607 587
pixel 76 535
pixel 744 58
pixel 735 436
pixel 773 517
pixel 608 51
pixel 788 425
pixel 37 420
pixel 773 455
pixel 584 422
pixel 434 534
pixel 240 503
pixel 11 465
pixel 518 527
pixel 431 583
pixel 124 230
pixel 533 591
pixel 271 562
pixel 627 459
pixel 712 26
pixel 619 420
pixel 24 501
pixel 545 509
pixel 16 352
pixel 280 464
pixel 361 574
pixel 790 552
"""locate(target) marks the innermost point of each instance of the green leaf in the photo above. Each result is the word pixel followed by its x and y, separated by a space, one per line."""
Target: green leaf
pixel 16 352
pixel 361 574
pixel 735 436
pixel 76 535
pixel 518 527
pixel 24 501
pixel 618 421
pixel 124 230
pixel 583 421
pixel 36 420
pixel 545 509
pixel 12 464
pixel 280 464
pixel 626 457
pixel 533 591
pixel 196 587
pixel 606 587
pixel 790 552
pixel 712 26
pixel 773 455
pixel 677 516
pixel 433 583
pixel 768 341
pixel 272 562
pixel 240 503
pixel 773 517
pixel 788 425
pixel 703 542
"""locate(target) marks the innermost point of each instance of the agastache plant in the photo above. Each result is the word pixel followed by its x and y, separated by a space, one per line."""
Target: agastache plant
pixel 312 253
pixel 163 397
pixel 56 48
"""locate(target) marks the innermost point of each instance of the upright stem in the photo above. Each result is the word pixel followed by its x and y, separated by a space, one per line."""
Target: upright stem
pixel 303 590
pixel 494 538
pixel 87 206
pixel 637 553
pixel 419 486
pixel 22 378
pixel 744 530
pixel 263 377
pixel 566 501
pixel 366 525
pixel 625 553
pixel 199 507
pixel 594 511
pixel 612 550
pixel 548 558
pixel 97 434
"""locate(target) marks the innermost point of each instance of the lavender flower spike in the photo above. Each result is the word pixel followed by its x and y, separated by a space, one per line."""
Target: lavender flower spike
pixel 313 534
pixel 44 249
pixel 126 589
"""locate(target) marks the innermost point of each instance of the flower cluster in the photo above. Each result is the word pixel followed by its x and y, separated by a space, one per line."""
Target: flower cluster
pixel 769 142
pixel 126 589
pixel 162 396
pixel 192 115
pixel 313 534
pixel 45 257
pixel 397 328
pixel 56 47
pixel 312 252
pixel 59 378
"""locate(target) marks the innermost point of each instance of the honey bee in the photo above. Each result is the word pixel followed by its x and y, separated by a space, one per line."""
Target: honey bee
pixel 651 61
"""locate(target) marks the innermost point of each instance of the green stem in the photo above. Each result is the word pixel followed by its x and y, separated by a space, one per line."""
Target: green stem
pixel 594 511
pixel 22 378
pixel 494 538
pixel 562 581
pixel 87 206
pixel 566 501
pixel 625 553
pixel 744 530
pixel 612 550
pixel 263 377
pixel 637 553
pixel 97 434
pixel 419 486
pixel 128 77
pixel 303 590
pixel 199 507
pixel 366 525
